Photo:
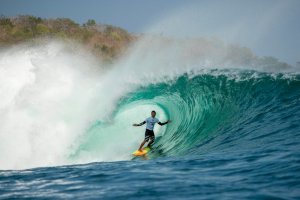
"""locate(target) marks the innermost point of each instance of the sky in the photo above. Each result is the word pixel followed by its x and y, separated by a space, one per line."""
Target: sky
pixel 268 27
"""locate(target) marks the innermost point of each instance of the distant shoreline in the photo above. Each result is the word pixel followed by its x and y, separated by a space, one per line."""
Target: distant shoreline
pixel 105 41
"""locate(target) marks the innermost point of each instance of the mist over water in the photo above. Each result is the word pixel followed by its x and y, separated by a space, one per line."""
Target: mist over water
pixel 268 28
pixel 45 93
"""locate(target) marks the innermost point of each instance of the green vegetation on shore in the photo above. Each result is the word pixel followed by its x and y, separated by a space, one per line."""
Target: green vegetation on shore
pixel 107 42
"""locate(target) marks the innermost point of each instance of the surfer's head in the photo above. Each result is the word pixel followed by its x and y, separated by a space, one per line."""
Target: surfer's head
pixel 153 113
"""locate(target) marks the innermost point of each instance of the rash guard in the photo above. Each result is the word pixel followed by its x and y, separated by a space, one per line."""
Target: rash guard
pixel 151 122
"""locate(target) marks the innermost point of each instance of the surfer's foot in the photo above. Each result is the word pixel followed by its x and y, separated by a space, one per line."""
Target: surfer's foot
pixel 140 150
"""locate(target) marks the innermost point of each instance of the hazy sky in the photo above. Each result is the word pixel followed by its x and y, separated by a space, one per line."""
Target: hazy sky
pixel 268 27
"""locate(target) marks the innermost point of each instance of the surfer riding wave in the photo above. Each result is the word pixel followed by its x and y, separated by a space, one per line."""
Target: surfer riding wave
pixel 149 134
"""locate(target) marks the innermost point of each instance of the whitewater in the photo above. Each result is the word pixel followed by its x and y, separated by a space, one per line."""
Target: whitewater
pixel 66 124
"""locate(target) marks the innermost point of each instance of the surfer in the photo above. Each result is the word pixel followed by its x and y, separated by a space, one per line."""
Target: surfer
pixel 149 134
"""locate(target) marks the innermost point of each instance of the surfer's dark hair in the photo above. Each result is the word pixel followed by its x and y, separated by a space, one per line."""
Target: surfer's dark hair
pixel 153 111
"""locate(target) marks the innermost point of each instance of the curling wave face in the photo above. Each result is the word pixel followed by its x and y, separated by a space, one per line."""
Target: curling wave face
pixel 220 110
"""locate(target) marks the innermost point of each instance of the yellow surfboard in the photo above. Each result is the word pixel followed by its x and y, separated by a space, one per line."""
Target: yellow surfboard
pixel 141 153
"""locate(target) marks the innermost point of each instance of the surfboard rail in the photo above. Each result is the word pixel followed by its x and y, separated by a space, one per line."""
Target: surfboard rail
pixel 141 153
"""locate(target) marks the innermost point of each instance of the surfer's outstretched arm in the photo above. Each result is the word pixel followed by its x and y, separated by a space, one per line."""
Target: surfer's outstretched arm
pixel 164 123
pixel 140 124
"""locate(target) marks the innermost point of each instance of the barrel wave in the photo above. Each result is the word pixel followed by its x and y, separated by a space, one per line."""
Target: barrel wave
pixel 213 111
pixel 218 112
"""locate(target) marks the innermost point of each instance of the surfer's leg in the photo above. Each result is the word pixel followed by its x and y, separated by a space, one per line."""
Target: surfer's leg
pixel 140 149
pixel 152 139
pixel 150 143
pixel 147 137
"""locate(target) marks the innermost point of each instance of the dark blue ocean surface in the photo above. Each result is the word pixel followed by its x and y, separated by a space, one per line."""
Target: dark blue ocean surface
pixel 243 175
pixel 233 136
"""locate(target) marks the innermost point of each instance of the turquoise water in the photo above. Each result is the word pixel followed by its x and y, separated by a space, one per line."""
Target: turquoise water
pixel 235 134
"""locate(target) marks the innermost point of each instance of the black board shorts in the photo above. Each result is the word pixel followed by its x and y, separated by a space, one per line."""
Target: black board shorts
pixel 149 135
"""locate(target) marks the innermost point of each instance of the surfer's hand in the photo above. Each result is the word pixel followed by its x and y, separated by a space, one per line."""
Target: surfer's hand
pixel 134 125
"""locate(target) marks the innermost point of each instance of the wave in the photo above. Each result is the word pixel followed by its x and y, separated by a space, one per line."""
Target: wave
pixel 62 107
pixel 212 111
